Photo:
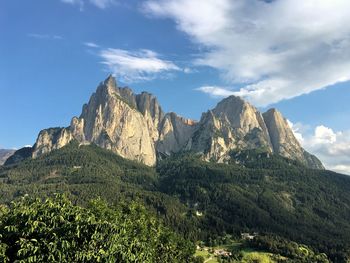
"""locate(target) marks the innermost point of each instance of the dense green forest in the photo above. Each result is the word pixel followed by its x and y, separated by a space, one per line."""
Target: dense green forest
pixel 255 192
pixel 307 206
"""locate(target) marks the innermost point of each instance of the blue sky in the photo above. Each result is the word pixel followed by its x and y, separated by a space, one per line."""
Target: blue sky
pixel 292 55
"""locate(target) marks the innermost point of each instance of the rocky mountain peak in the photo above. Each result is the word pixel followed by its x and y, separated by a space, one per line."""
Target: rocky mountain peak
pixel 239 113
pixel 279 130
pixel 105 91
pixel 232 106
pixel 232 124
pixel 147 102
pixel 135 127
pixel 110 82
pixel 117 119
pixel 284 142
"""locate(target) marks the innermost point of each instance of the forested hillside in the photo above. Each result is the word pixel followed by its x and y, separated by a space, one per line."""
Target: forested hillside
pixel 204 201
pixel 304 205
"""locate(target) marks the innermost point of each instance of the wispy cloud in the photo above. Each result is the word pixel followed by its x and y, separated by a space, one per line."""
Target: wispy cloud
pixel 45 36
pixel 91 44
pixel 332 147
pixel 133 66
pixel 103 3
pixel 275 49
pixel 79 3
pixel 98 3
pixel 215 91
pixel 189 70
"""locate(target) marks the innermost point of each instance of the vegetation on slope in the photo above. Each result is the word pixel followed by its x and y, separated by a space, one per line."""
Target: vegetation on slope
pixel 201 200
pixel 308 206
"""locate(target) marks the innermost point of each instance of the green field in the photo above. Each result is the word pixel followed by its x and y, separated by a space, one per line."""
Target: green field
pixel 258 256
pixel 208 257
pixel 247 254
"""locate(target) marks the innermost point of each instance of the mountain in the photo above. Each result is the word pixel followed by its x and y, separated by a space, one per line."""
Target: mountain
pixel 19 155
pixel 199 199
pixel 117 119
pixel 234 124
pixel 4 154
pixel 135 127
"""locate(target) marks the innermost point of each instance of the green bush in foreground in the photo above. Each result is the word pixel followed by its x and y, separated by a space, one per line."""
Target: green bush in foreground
pixel 55 230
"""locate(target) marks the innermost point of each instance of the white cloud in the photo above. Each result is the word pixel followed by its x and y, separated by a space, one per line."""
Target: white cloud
pixel 44 36
pixel 79 3
pixel 215 91
pixel 91 44
pixel 102 3
pixel 340 168
pixel 297 129
pixel 188 70
pixel 71 1
pixel 133 66
pixel 332 148
pixel 98 3
pixel 278 49
pixel 324 135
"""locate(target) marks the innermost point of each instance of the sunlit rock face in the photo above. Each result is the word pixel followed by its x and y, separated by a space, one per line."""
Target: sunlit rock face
pixel 135 127
pixel 284 142
pixel 117 119
pixel 174 133
pixel 110 120
pixel 232 124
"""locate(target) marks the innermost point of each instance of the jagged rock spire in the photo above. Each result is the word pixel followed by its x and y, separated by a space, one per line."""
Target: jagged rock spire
pixel 110 81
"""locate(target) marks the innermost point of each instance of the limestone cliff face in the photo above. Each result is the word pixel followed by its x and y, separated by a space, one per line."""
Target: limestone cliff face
pixel 111 121
pixel 135 127
pixel 236 125
pixel 284 142
pixel 51 139
pixel 232 124
pixel 148 105
pixel 174 133
pixel 117 119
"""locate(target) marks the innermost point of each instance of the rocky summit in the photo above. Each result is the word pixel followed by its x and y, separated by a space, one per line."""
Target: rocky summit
pixel 135 127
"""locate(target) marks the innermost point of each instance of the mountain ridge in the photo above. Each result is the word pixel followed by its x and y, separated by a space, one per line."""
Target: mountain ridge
pixel 5 154
pixel 136 127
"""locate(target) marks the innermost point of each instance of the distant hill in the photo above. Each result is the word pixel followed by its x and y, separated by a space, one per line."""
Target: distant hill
pixel 257 192
pixel 4 154
pixel 19 155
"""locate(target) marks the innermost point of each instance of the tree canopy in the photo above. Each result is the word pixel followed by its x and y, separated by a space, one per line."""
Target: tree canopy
pixel 55 230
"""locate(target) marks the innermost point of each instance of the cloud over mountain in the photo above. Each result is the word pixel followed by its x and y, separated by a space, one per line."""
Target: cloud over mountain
pixel 277 49
pixel 133 66
pixel 332 147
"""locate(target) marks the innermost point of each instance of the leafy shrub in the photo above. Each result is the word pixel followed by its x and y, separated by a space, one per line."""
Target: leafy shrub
pixel 55 230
